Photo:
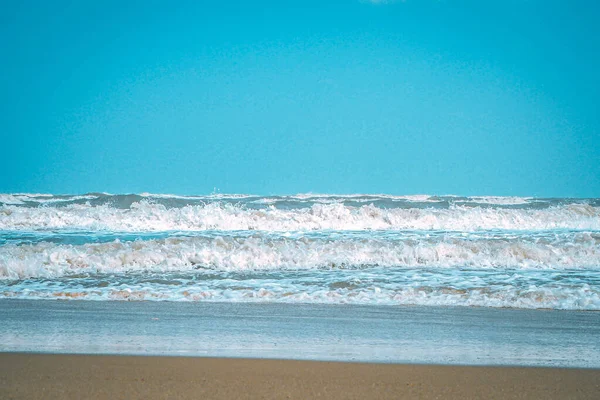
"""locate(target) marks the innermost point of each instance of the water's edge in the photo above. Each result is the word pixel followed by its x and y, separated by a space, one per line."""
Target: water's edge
pixel 417 335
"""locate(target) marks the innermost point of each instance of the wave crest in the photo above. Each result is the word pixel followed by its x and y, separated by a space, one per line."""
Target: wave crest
pixel 231 253
pixel 148 216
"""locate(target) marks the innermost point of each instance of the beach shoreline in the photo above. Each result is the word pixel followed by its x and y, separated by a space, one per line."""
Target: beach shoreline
pixel 403 335
pixel 57 376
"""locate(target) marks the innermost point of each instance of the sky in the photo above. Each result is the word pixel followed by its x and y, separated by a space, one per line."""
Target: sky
pixel 271 97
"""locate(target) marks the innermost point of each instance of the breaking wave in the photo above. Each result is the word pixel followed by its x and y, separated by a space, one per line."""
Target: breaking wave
pixel 565 290
pixel 146 215
pixel 264 252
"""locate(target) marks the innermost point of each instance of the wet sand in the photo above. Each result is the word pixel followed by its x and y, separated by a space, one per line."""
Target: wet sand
pixel 53 376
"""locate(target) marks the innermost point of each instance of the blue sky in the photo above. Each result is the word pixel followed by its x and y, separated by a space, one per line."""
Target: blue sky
pixel 271 97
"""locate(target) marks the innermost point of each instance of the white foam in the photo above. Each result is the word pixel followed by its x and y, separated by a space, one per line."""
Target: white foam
pixel 11 199
pixel 311 290
pixel 214 196
pixel 39 198
pixel 148 216
pixel 328 198
pixel 501 200
pixel 230 253
pixel 65 200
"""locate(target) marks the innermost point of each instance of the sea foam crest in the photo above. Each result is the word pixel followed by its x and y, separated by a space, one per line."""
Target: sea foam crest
pixel 576 251
pixel 148 216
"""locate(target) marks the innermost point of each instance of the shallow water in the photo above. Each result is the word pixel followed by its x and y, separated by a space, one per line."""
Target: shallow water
pixel 440 335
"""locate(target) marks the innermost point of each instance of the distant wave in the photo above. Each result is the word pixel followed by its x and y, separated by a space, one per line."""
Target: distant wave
pixel 139 213
pixel 123 200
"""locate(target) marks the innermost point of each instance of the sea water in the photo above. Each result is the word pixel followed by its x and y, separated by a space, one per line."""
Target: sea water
pixel 374 251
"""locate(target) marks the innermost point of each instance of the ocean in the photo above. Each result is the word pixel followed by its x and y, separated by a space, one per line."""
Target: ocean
pixel 478 263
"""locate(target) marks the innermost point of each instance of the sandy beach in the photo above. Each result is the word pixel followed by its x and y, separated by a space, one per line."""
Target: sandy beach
pixel 43 376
